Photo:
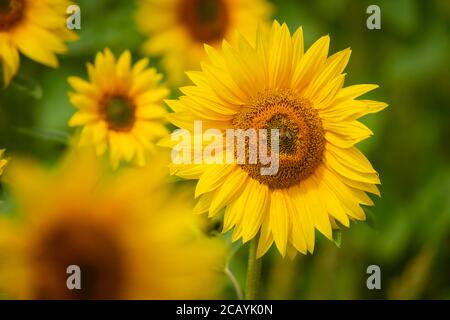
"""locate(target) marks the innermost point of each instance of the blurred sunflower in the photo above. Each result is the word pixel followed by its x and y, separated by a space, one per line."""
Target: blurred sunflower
pixel 322 177
pixel 120 108
pixel 3 161
pixel 128 239
pixel 177 29
pixel 36 28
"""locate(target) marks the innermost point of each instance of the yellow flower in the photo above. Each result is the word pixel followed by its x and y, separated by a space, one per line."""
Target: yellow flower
pixel 3 161
pixel 322 178
pixel 120 108
pixel 36 28
pixel 177 29
pixel 129 236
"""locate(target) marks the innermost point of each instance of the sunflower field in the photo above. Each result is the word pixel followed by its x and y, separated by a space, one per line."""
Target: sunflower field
pixel 116 182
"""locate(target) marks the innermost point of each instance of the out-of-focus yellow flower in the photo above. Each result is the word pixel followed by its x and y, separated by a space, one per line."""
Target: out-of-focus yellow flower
pixel 120 108
pixel 178 29
pixel 36 28
pixel 322 177
pixel 130 237
pixel 3 161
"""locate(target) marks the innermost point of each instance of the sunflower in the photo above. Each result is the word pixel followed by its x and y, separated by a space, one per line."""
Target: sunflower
pixel 129 240
pixel 3 161
pixel 322 179
pixel 120 108
pixel 178 29
pixel 36 28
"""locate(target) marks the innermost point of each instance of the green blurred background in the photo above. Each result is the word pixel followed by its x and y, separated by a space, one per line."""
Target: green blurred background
pixel 409 231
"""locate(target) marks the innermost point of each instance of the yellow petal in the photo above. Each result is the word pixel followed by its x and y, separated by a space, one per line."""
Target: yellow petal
pixel 342 192
pixel 279 220
pixel 349 130
pixel 231 188
pixel 257 196
pixel 315 206
pixel 82 118
pixel 265 237
pixel 203 203
pixel 351 157
pixel 280 56
pixel 333 68
pixel 9 57
pixel 84 87
pixel 303 217
pixel 312 62
pixel 353 92
pixel 124 65
pixel 296 234
pixel 349 172
pixel 212 178
pixel 187 171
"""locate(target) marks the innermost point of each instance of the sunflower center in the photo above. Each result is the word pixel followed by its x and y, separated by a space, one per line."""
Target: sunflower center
pixel 11 13
pixel 301 136
pixel 119 112
pixel 206 20
pixel 94 249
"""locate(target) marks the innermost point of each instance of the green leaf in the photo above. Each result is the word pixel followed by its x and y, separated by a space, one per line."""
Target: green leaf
pixel 27 85
pixel 44 134
pixel 370 218
pixel 337 237
pixel 227 270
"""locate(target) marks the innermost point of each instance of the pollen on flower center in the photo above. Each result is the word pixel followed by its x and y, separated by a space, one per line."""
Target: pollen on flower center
pixel 94 249
pixel 118 112
pixel 11 13
pixel 206 20
pixel 301 136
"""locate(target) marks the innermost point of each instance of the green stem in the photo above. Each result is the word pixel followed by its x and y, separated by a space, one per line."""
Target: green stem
pixel 234 283
pixel 253 272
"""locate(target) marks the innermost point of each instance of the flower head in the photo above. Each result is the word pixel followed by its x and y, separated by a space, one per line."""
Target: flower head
pixel 120 108
pixel 36 28
pixel 121 230
pixel 322 178
pixel 178 29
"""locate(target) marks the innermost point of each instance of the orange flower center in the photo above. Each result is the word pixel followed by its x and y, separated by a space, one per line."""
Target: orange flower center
pixel 119 112
pixel 301 136
pixel 206 20
pixel 11 13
